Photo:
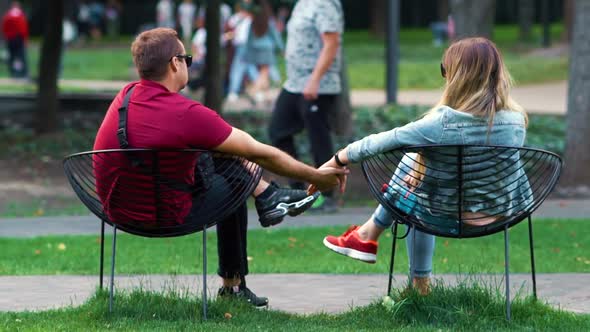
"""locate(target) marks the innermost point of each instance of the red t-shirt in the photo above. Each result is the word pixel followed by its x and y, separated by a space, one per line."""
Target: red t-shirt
pixel 156 118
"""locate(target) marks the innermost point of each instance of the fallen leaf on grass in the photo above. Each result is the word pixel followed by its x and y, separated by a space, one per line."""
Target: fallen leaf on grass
pixel 61 247
pixel 37 252
pixel 227 315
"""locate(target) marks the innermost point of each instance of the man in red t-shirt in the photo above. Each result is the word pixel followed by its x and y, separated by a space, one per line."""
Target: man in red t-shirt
pixel 159 117
pixel 15 29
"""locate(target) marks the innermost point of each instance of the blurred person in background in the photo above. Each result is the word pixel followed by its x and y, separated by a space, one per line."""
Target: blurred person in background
pixel 263 41
pixel 239 25
pixel 15 29
pixel 186 16
pixel 165 14
pixel 113 18
pixel 313 57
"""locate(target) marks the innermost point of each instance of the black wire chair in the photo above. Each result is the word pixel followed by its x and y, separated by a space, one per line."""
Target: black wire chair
pixel 463 191
pixel 160 193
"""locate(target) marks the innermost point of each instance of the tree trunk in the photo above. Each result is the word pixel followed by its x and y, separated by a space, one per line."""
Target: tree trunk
pixel 213 79
pixel 576 178
pixel 46 119
pixel 526 14
pixel 568 13
pixel 442 10
pixel 473 18
pixel 378 10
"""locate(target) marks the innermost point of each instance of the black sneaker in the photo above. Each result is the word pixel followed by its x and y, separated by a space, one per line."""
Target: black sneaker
pixel 283 201
pixel 242 293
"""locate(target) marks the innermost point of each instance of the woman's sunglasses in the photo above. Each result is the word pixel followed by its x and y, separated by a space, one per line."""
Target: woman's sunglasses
pixel 443 72
pixel 188 59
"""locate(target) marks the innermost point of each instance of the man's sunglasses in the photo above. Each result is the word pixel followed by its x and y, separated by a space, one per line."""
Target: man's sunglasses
pixel 188 59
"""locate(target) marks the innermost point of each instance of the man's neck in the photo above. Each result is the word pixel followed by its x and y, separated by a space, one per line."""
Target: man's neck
pixel 169 84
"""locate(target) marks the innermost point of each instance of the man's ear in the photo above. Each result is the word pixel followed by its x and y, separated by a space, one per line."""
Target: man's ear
pixel 173 64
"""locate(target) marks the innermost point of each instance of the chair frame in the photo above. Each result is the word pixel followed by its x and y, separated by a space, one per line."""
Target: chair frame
pixel 70 170
pixel 400 219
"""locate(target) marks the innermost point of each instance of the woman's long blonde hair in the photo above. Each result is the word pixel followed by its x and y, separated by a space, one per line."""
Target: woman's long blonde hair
pixel 477 82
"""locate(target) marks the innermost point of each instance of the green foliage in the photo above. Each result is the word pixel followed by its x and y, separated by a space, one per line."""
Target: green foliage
pixel 23 143
pixel 466 307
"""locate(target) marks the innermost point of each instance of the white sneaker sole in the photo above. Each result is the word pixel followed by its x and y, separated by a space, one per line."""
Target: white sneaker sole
pixel 359 255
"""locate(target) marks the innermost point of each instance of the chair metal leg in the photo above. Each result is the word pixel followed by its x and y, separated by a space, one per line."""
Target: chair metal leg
pixel 532 258
pixel 392 259
pixel 101 276
pixel 205 273
pixel 113 268
pixel 507 277
pixel 413 256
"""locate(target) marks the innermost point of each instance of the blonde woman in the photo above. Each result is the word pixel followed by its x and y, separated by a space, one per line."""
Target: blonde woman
pixel 475 108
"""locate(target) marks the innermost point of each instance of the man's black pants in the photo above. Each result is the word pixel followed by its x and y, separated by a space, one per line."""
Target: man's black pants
pixel 232 228
pixel 17 59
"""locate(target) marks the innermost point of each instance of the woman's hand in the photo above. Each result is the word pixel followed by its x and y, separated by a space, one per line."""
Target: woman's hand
pixel 331 167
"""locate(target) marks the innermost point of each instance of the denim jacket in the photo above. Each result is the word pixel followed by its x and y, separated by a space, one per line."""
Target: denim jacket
pixel 449 126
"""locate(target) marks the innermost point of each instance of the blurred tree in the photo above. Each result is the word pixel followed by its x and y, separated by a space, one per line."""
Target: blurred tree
pixel 473 18
pixel 47 95
pixel 378 9
pixel 526 15
pixel 576 178
pixel 213 78
pixel 568 7
pixel 442 10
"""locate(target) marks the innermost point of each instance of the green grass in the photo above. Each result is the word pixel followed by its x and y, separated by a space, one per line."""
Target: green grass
pixel 463 308
pixel 365 54
pixel 565 249
pixel 54 206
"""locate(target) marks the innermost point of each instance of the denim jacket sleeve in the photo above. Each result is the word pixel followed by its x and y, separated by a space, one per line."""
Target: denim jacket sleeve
pixel 427 130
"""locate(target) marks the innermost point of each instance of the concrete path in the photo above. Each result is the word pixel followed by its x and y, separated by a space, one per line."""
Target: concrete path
pixel 294 293
pixel 545 98
pixel 79 225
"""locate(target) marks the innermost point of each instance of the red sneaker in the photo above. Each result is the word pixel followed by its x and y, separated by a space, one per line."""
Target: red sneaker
pixel 349 244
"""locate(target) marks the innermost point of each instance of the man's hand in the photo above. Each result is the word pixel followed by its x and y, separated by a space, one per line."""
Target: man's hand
pixel 328 167
pixel 328 178
pixel 310 92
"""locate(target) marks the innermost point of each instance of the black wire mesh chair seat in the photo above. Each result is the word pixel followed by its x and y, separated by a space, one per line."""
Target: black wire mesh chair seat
pixel 160 192
pixel 462 191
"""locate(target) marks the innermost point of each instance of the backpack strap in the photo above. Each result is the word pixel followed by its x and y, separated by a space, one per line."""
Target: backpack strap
pixel 135 160
pixel 122 130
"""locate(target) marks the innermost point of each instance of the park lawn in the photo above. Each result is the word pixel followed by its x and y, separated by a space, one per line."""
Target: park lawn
pixel 561 246
pixel 463 308
pixel 365 56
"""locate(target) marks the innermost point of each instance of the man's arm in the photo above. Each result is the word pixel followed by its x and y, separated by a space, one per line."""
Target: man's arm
pixel 242 144
pixel 330 41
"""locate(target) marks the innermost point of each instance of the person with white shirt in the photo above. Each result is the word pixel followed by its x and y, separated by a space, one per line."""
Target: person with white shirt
pixel 164 14
pixel 186 15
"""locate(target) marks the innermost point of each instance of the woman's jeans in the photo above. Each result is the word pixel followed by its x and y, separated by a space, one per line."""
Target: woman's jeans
pixel 420 245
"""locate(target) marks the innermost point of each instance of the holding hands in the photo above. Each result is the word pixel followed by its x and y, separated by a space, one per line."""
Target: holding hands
pixel 335 167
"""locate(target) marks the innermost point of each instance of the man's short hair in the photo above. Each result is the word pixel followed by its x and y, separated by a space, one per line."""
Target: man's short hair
pixel 152 51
